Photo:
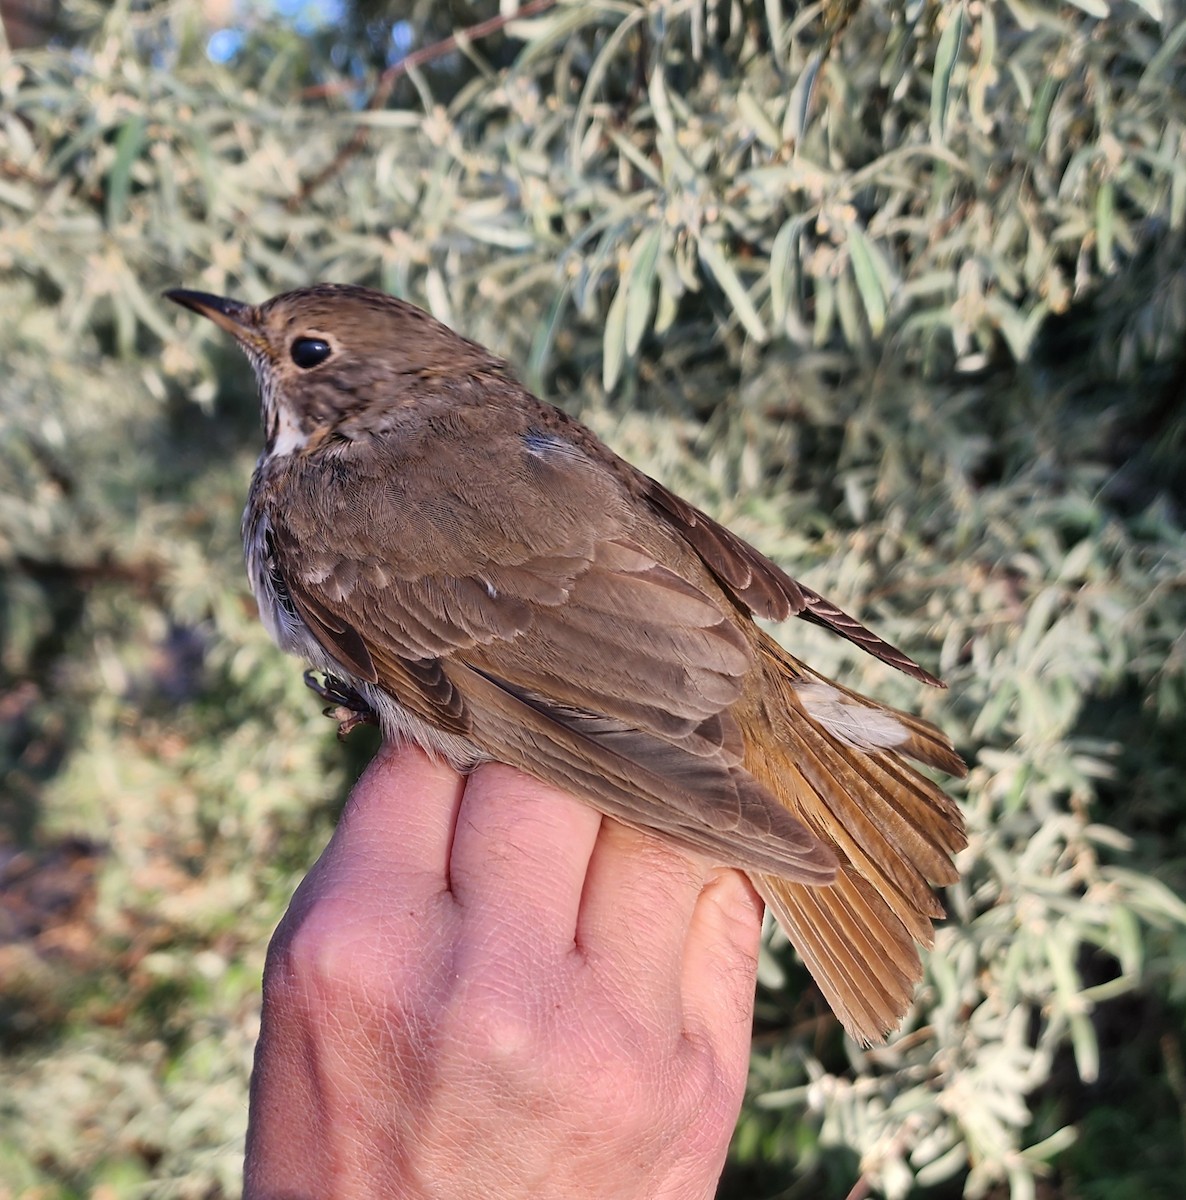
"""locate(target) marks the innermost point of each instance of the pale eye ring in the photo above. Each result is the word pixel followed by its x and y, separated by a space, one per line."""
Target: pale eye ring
pixel 309 352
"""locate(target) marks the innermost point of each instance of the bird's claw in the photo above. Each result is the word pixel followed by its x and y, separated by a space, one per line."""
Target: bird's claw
pixel 345 705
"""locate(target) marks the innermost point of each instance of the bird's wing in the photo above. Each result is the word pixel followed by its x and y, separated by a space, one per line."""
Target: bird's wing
pixel 544 573
pixel 532 613
pixel 762 586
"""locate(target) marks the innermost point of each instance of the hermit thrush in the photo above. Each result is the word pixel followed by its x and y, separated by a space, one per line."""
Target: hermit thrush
pixel 496 583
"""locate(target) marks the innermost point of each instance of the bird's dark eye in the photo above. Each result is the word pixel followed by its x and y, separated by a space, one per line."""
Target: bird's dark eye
pixel 310 352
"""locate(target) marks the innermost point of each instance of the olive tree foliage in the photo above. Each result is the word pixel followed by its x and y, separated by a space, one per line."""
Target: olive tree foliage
pixel 897 290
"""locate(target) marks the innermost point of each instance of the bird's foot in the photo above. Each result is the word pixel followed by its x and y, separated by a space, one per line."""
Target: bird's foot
pixel 346 706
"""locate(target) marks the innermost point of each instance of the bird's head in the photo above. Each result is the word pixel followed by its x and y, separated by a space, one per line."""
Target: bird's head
pixel 336 357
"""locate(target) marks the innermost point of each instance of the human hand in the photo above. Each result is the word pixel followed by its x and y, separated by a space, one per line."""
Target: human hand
pixel 484 989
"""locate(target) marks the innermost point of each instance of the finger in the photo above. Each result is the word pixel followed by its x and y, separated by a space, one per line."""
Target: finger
pixel 375 910
pixel 520 851
pixel 721 963
pixel 640 896
pixel 396 828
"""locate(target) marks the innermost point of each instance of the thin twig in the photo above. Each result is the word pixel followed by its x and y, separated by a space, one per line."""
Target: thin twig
pixel 388 80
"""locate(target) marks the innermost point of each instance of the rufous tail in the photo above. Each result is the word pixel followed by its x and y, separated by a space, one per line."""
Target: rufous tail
pixel 840 763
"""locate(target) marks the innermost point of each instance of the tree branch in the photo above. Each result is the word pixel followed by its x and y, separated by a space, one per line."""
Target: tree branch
pixel 387 82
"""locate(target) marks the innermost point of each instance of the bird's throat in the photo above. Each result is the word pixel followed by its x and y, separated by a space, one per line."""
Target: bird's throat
pixel 285 432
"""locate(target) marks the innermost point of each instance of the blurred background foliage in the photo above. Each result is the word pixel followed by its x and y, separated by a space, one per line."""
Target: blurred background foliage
pixel 897 289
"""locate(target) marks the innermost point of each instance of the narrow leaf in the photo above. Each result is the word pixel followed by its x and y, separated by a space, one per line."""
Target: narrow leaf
pixel 946 56
pixel 798 112
pixel 825 310
pixel 593 81
pixel 784 267
pixel 545 337
pixel 1099 9
pixel 864 269
pixel 1105 225
pixel 613 352
pixel 119 181
pixel 1035 134
pixel 723 271
pixel 848 312
pixel 1163 62
pixel 644 255
pixel 755 117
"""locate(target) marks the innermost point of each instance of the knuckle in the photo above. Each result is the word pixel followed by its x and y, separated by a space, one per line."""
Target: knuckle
pixel 499 1028
pixel 336 954
pixel 506 1037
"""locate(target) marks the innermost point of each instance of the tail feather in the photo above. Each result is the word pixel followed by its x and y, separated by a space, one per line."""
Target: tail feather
pixel 859 805
pixel 839 762
pixel 862 957
pixel 925 743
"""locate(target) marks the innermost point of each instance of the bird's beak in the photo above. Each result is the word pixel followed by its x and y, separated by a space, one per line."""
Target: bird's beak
pixel 238 319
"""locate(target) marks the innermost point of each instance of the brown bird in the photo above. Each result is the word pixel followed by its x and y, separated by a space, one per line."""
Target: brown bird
pixel 496 583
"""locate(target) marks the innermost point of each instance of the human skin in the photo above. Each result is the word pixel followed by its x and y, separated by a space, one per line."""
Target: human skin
pixel 483 988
